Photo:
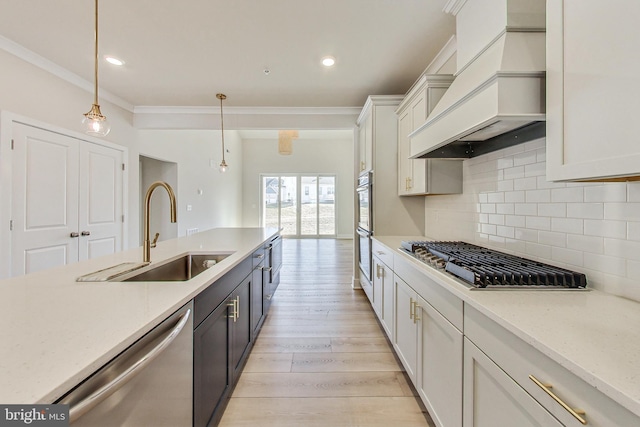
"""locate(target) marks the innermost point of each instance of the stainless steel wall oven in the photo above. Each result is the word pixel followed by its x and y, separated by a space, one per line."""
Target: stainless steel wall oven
pixel 364 213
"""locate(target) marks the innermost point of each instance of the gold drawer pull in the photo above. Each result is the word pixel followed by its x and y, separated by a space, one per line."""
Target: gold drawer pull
pixel 577 413
pixel 411 313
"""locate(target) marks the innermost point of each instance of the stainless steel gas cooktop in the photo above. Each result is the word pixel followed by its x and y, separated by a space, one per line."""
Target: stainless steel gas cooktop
pixel 486 268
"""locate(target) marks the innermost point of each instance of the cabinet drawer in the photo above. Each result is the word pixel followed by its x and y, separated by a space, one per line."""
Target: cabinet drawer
pixel 523 363
pixel 383 253
pixel 447 304
pixel 258 257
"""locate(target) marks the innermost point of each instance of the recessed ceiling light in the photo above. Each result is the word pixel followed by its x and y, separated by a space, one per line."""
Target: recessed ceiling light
pixel 328 61
pixel 113 60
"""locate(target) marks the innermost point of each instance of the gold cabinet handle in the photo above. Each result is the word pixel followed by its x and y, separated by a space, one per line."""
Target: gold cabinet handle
pixel 407 184
pixel 238 307
pixel 362 165
pixel 577 413
pixel 415 312
pixel 411 313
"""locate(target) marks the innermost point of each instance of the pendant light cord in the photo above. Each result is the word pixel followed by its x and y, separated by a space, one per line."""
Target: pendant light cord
pixel 95 92
pixel 221 96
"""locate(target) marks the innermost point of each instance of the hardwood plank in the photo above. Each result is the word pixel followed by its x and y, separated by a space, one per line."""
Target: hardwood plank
pixel 360 345
pixel 326 384
pixel 344 362
pixel 404 384
pixel 373 331
pixel 323 412
pixel 270 362
pixel 290 345
pixel 325 318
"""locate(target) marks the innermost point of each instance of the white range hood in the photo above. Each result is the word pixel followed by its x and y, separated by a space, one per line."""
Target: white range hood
pixel 498 96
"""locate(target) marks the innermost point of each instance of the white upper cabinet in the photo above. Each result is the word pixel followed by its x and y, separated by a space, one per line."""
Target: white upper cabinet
pixel 424 176
pixel 365 143
pixel 593 95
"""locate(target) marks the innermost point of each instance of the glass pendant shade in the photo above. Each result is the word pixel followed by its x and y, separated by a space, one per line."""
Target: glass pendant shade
pixel 94 123
pixel 223 166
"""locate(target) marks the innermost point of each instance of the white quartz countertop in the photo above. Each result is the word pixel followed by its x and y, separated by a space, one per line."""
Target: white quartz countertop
pixel 54 331
pixel 593 334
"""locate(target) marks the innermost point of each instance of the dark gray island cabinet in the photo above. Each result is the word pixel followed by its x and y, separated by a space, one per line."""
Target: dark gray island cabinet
pixel 227 319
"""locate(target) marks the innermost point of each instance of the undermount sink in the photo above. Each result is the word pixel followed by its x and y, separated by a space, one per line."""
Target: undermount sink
pixel 180 269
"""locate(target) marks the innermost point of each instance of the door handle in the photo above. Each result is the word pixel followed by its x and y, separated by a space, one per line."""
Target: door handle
pixel 85 233
pixel 74 234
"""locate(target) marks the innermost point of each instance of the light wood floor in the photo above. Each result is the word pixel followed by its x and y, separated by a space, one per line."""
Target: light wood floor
pixel 321 358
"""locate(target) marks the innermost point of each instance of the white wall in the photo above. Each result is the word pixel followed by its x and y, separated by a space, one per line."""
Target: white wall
pixel 32 92
pixel 316 156
pixel 508 205
pixel 220 203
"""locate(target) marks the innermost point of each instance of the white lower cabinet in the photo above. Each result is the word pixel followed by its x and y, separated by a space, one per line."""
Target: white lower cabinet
pixel 439 365
pixel 405 340
pixel 430 349
pixel 492 398
pixel 377 280
pixel 383 295
pixel 538 379
pixel 468 369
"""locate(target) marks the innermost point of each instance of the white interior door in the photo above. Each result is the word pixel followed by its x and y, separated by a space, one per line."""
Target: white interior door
pixel 100 201
pixel 44 199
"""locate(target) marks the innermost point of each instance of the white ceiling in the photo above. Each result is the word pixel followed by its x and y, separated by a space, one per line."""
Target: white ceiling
pixel 181 53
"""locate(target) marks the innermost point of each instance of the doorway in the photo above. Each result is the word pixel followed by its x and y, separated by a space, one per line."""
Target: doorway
pixel 152 170
pixel 303 205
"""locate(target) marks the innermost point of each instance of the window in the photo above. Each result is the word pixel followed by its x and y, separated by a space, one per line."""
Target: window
pixel 310 214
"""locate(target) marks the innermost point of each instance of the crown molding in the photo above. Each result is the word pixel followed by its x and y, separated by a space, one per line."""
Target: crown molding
pixel 453 6
pixel 449 49
pixel 316 111
pixel 41 62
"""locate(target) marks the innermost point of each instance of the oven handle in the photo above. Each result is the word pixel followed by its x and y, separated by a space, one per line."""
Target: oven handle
pixel 363 232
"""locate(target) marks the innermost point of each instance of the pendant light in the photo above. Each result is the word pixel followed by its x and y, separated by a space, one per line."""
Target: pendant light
pixel 223 164
pixel 94 122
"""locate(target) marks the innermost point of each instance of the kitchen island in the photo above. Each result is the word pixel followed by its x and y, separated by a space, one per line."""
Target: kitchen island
pixel 55 331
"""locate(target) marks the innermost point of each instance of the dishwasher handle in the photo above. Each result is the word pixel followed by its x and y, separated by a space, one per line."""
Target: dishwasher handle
pixel 86 404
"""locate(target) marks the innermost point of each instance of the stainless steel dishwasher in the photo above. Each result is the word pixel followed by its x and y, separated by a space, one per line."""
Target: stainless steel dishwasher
pixel 148 384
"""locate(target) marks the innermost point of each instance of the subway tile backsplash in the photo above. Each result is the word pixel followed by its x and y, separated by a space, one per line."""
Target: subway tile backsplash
pixel 507 204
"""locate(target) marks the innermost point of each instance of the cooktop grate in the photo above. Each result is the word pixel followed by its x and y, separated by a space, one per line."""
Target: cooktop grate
pixel 487 268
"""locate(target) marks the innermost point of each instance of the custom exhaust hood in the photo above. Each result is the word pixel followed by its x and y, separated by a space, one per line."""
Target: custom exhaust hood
pixel 498 96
